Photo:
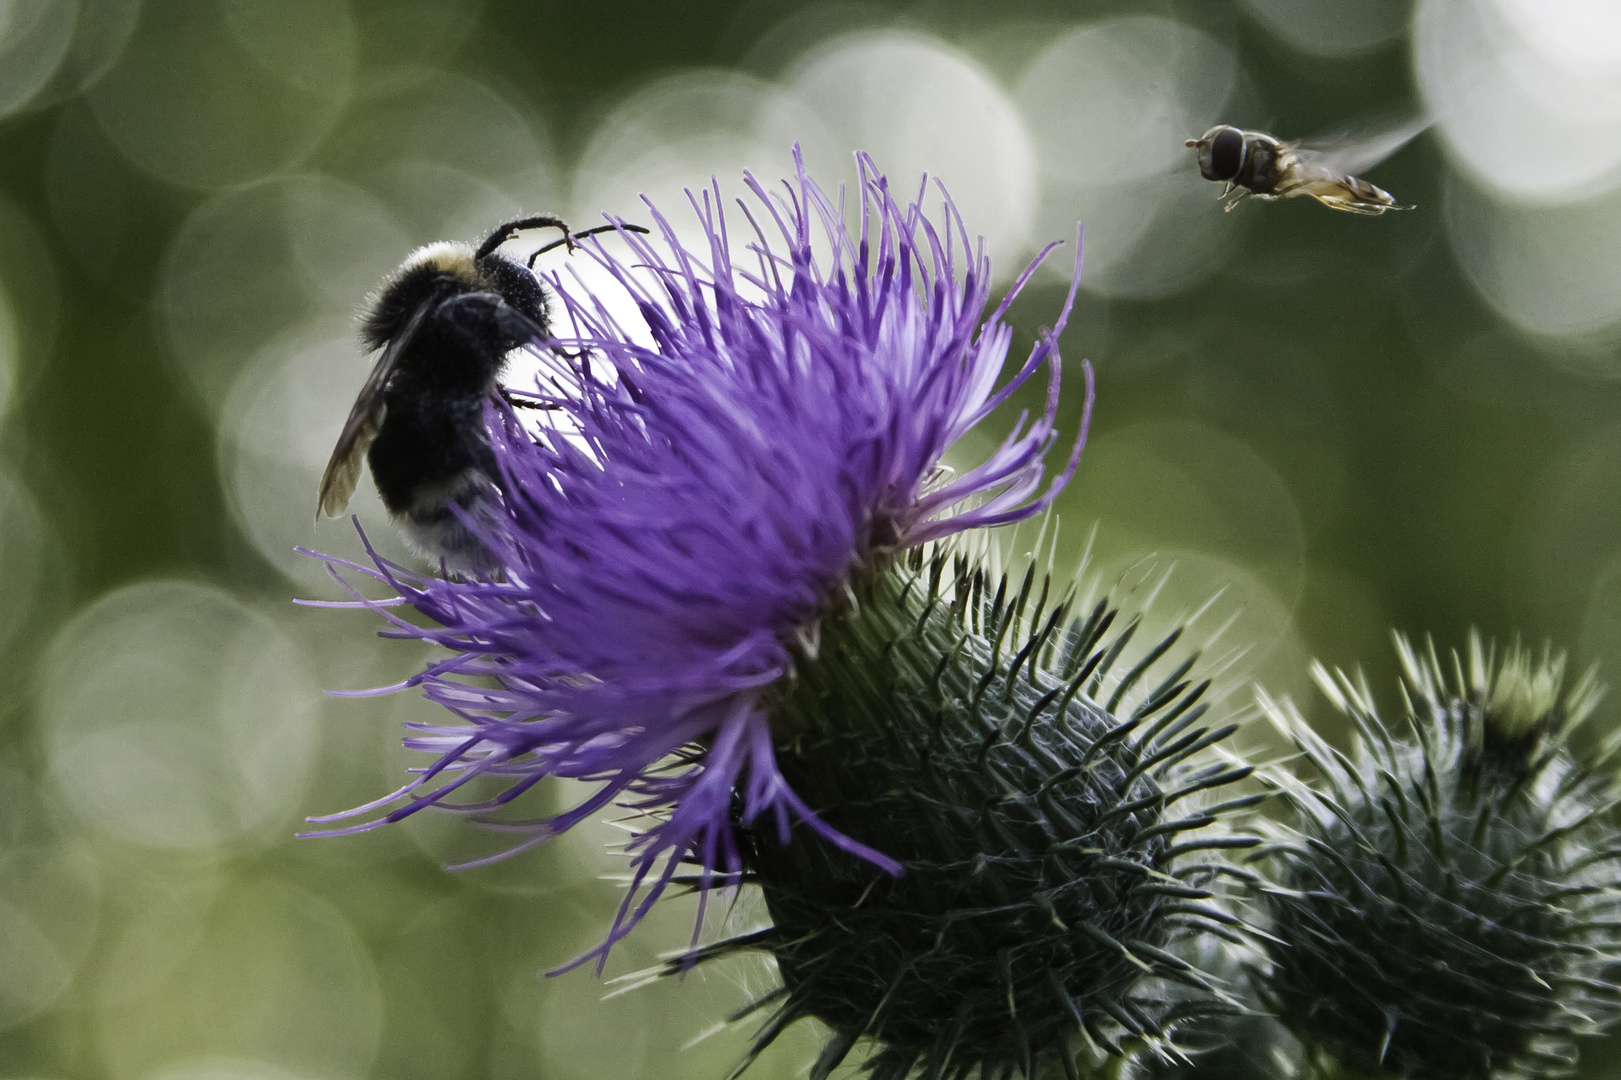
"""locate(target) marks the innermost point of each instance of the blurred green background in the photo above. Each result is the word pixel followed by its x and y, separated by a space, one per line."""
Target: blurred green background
pixel 1340 424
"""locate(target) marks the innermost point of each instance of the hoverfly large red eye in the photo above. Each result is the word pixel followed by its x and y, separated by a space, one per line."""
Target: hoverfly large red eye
pixel 1226 153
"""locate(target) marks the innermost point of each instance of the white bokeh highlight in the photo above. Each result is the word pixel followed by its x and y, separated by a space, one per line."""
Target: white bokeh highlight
pixel 1549 269
pixel 1526 95
pixel 680 132
pixel 916 104
pixel 1110 105
pixel 276 433
pixel 176 717
pixel 920 106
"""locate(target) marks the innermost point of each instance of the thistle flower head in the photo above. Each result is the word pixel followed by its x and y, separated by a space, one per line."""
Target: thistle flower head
pixel 710 480
pixel 1048 803
pixel 1447 907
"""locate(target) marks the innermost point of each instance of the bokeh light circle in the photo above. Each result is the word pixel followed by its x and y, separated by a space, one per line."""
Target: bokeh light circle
pixel 210 93
pixel 1175 485
pixel 1110 105
pixel 34 38
pixel 26 547
pixel 264 973
pixel 100 32
pixel 1517 100
pixel 251 264
pixel 32 291
pixel 920 106
pixel 50 898
pixel 681 132
pixel 1549 269
pixel 176 717
pixel 276 433
pixel 1584 34
pixel 1114 101
pixel 447 155
pixel 36 973
pixel 1332 28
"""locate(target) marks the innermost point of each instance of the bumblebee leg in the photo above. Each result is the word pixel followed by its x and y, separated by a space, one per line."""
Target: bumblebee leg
pixel 513 228
pixel 524 403
pixel 569 240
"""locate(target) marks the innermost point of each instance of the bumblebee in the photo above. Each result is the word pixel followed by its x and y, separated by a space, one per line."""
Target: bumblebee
pixel 444 322
pixel 1270 168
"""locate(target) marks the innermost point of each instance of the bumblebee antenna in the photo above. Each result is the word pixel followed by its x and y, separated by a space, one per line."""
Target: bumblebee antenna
pixel 513 228
pixel 569 240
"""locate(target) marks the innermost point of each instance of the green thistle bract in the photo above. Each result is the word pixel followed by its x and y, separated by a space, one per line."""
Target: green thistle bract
pixel 1446 909
pixel 985 741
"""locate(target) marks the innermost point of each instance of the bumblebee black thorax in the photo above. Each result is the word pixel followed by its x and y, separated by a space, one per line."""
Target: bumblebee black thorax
pixel 443 325
pixel 459 319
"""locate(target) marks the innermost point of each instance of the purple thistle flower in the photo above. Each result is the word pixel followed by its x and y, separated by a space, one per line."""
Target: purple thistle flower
pixel 701 492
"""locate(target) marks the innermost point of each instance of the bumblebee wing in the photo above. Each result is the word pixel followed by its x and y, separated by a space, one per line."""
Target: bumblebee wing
pixel 365 421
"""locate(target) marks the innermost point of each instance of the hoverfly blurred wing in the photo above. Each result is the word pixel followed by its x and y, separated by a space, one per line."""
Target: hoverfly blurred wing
pixel 1361 149
pixel 360 430
pixel 1326 168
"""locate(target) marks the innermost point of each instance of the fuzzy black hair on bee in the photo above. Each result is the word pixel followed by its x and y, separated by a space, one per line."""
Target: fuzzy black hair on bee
pixel 445 323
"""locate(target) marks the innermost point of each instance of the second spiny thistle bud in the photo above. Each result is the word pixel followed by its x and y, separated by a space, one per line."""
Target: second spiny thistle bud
pixel 1446 906
pixel 1037 791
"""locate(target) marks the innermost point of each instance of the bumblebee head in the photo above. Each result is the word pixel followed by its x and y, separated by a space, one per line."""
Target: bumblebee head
pixel 524 314
pixel 1221 152
pixel 441 272
pixel 428 275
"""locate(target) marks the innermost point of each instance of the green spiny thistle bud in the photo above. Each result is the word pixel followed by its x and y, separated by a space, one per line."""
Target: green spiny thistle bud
pixel 1037 797
pixel 1446 909
pixel 1242 1046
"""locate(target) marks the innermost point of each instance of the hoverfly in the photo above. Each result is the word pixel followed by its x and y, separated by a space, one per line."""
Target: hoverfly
pixel 1325 169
